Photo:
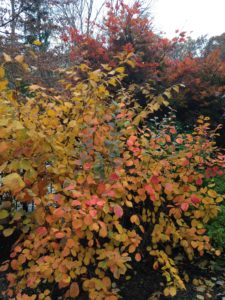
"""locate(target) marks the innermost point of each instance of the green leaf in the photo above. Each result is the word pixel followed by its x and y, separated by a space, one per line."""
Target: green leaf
pixel 3 214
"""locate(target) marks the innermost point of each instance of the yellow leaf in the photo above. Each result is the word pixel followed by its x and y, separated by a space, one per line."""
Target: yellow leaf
pixel 128 203
pixel 34 87
pixel 9 231
pixel 37 43
pixel 3 214
pixel 218 252
pixel 3 84
pixel 120 70
pixel 212 193
pixel 131 63
pixel 176 88
pixel 7 58
pixel 14 182
pixel 219 199
pixel 40 215
pixel 72 124
pixel 135 219
pixel 106 67
pixel 166 292
pixel 173 291
pixel 84 67
pixel 19 58
pixel 51 113
pixel 2 72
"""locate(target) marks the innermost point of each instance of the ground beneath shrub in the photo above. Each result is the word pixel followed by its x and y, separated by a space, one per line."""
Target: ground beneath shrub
pixel 209 283
pixel 145 284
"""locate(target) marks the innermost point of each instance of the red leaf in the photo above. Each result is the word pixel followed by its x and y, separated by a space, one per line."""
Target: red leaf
pixel 93 213
pixel 150 191
pixel 195 199
pixel 131 140
pixel 75 203
pixel 87 166
pixel 168 188
pixel 154 180
pixel 41 231
pixel 185 206
pixel 114 176
pixel 110 193
pixel 118 211
pixel 69 187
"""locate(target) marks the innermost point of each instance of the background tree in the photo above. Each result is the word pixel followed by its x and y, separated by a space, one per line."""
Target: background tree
pixel 216 42
pixel 36 22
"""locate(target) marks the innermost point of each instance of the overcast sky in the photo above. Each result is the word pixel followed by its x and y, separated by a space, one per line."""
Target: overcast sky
pixel 200 16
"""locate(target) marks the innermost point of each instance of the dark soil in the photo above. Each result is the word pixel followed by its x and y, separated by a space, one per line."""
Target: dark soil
pixel 143 283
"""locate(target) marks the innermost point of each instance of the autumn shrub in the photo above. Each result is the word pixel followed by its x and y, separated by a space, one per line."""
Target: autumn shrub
pixel 102 185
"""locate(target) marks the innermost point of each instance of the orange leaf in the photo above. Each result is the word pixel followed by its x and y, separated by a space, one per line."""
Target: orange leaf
pixel 74 290
pixel 59 212
pixel 179 141
pixel 14 265
pixel 3 147
pixel 131 140
pixel 87 220
pixel 59 234
pixel 138 257
pixel 173 130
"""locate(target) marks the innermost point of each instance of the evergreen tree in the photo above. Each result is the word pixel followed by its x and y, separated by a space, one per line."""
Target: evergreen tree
pixel 37 25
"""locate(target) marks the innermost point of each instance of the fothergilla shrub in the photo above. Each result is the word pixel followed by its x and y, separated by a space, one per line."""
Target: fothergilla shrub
pixel 100 182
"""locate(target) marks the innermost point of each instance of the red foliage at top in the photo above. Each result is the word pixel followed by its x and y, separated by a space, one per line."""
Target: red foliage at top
pixel 126 28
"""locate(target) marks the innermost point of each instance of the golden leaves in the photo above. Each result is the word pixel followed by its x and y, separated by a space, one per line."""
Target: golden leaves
pixel 13 182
